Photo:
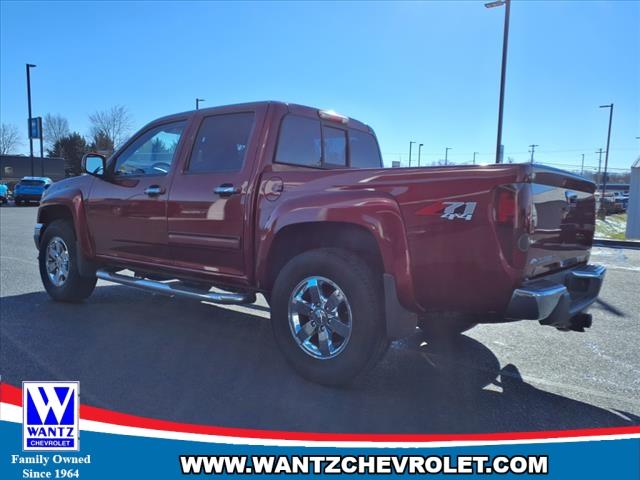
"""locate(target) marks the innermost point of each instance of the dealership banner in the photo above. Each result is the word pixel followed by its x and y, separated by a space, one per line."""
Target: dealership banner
pixel 46 433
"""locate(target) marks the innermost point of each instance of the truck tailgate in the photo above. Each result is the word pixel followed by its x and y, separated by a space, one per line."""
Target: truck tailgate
pixel 562 221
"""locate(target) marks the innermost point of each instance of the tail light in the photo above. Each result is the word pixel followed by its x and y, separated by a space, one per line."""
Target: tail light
pixel 510 222
pixel 506 206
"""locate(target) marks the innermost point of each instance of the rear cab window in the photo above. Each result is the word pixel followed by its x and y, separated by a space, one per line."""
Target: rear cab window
pixel 221 143
pixel 300 142
pixel 363 150
pixel 310 142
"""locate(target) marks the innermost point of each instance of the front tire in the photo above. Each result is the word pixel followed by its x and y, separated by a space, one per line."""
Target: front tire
pixel 327 316
pixel 59 265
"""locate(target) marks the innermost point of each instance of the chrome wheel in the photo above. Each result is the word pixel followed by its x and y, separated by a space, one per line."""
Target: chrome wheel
pixel 57 261
pixel 320 317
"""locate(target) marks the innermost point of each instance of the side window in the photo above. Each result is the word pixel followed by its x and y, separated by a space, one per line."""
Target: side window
pixel 221 144
pixel 335 146
pixel 299 141
pixel 152 153
pixel 363 150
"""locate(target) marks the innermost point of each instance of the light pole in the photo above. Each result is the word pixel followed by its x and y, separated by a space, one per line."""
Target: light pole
pixel 29 66
pixel 533 149
pixel 582 167
pixel 599 152
pixel 410 144
pixel 503 73
pixel 419 150
pixel 606 159
pixel 474 157
pixel 198 100
pixel 446 155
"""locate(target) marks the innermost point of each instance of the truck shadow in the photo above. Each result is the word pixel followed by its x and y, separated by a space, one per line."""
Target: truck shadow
pixel 190 362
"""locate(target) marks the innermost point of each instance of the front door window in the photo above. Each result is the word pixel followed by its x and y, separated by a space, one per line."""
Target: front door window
pixel 152 153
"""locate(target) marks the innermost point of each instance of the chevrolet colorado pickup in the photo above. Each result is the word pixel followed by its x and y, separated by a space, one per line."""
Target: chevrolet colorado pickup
pixel 294 203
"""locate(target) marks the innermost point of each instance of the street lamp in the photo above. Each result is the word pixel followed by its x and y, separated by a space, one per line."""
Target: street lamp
pixel 29 66
pixel 198 100
pixel 446 154
pixel 410 143
pixel 503 74
pixel 419 150
pixel 474 157
pixel 606 160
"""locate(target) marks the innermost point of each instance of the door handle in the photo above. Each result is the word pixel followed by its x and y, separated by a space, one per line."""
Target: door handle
pixel 226 190
pixel 154 190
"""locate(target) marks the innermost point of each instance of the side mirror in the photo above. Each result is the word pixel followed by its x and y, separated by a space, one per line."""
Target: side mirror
pixel 94 164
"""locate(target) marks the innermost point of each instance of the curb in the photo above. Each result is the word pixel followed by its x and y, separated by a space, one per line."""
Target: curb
pixel 600 242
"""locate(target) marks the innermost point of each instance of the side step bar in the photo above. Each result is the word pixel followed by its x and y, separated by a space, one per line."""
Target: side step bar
pixel 176 290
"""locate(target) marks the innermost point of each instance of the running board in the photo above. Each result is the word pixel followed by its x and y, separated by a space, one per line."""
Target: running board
pixel 176 290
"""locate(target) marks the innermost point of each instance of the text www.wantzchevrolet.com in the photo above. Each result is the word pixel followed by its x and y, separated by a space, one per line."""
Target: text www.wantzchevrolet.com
pixel 364 464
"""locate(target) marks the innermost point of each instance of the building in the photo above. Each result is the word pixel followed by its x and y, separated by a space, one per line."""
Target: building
pixel 633 211
pixel 14 167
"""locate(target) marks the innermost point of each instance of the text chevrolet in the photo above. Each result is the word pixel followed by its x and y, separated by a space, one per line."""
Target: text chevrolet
pixel 292 202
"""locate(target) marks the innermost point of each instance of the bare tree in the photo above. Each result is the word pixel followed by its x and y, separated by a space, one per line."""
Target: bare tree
pixel 9 139
pixel 55 127
pixel 114 123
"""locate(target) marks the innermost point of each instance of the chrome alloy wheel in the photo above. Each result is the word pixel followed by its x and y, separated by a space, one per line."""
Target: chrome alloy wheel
pixel 320 317
pixel 57 261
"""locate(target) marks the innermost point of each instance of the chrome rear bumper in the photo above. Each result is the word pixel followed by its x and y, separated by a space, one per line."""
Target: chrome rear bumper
pixel 557 298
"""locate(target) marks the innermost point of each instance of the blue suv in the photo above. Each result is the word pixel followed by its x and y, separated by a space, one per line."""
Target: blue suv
pixel 30 189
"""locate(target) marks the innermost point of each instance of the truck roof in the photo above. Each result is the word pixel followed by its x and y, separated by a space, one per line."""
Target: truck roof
pixel 291 107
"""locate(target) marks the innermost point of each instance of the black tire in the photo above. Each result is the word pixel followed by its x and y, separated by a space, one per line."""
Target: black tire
pixel 362 289
pixel 75 287
pixel 442 327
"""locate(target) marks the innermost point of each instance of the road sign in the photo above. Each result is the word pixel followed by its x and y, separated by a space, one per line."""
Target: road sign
pixel 35 127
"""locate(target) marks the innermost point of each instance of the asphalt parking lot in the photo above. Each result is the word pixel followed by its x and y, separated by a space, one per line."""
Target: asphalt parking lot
pixel 175 359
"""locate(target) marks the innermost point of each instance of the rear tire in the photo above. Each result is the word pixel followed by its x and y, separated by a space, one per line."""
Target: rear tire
pixel 59 265
pixel 326 344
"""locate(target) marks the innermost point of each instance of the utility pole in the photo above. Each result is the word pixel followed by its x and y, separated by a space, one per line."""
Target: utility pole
pixel 446 155
pixel 29 65
pixel 533 149
pixel 606 159
pixel 474 157
pixel 599 152
pixel 503 72
pixel 419 150
pixel 410 144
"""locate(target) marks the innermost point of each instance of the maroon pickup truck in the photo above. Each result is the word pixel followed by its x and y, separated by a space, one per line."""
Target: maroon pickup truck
pixel 294 203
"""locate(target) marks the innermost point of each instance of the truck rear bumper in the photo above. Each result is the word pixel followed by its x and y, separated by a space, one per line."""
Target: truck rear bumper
pixel 557 298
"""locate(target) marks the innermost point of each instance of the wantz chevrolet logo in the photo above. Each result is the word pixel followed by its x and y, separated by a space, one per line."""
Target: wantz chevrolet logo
pixel 50 415
pixel 449 210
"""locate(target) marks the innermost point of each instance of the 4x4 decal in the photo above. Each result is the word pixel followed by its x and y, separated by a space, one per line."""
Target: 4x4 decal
pixel 450 210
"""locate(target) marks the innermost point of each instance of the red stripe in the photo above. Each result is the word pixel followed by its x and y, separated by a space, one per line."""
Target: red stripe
pixel 13 395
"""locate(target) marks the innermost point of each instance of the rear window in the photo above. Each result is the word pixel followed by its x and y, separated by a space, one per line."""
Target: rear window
pixel 363 150
pixel 299 141
pixel 221 144
pixel 335 146
pixel 308 142
pixel 32 183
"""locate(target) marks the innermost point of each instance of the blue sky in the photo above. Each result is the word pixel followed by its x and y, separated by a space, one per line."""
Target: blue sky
pixel 427 72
